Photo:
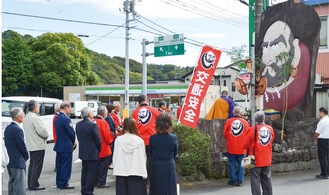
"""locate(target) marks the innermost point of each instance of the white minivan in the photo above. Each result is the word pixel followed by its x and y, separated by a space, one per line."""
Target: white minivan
pixel 46 111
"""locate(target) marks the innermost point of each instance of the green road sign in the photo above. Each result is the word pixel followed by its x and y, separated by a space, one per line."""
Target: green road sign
pixel 169 45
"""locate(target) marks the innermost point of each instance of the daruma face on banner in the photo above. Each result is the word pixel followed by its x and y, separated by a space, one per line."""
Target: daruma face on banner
pixel 202 76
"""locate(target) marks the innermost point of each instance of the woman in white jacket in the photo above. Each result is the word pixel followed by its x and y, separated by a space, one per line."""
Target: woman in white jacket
pixel 129 161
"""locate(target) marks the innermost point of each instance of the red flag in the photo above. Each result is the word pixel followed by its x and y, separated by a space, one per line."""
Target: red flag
pixel 202 76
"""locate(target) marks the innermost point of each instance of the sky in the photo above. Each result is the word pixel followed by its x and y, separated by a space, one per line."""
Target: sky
pixel 222 24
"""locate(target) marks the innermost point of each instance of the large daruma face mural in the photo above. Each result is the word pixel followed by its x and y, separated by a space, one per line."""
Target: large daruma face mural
pixel 287 48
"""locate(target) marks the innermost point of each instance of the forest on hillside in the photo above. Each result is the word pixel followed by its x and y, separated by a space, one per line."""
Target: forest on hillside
pixel 48 62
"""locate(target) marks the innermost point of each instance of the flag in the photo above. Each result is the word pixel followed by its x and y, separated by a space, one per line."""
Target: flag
pixel 202 76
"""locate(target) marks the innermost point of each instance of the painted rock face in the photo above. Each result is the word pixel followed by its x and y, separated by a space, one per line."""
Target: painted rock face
pixel 285 62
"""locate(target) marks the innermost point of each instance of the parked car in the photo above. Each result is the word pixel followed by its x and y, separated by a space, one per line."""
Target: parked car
pixel 46 111
pixel 77 106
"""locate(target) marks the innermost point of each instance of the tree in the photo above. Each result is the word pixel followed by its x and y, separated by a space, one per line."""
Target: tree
pixel 169 67
pixel 17 70
pixel 60 59
pixel 237 53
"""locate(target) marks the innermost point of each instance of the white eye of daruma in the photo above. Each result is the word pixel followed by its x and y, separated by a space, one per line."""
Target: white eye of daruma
pixel 275 46
pixel 265 49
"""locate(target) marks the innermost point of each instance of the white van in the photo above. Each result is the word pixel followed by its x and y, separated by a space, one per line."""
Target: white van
pixel 77 106
pixel 46 111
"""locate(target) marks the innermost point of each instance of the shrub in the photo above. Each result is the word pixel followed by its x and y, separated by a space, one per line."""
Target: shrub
pixel 193 152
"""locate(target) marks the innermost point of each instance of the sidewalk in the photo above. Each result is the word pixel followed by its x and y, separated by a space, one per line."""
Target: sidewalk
pixel 289 183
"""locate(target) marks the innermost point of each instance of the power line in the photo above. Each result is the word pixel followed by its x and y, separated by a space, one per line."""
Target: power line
pixel 156 24
pixel 196 43
pixel 213 6
pixel 149 26
pixel 60 19
pixel 150 32
pixel 193 10
pixel 203 13
pixel 106 34
pixel 216 15
pixel 211 13
pixel 31 22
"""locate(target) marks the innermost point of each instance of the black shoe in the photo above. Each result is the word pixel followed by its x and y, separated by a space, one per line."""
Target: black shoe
pixel 232 183
pixel 321 177
pixel 36 188
pixel 67 188
pixel 239 184
pixel 103 186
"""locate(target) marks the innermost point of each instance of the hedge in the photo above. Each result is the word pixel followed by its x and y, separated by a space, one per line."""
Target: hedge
pixel 193 160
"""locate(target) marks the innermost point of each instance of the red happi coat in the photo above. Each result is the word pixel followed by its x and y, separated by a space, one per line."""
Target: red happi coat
pixel 106 137
pixel 145 117
pixel 262 146
pixel 235 132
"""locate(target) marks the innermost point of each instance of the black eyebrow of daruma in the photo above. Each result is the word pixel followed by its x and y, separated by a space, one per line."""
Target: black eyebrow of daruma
pixel 278 40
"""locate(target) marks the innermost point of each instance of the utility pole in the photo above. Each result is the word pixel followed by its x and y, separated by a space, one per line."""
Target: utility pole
pixel 144 55
pixel 252 87
pixel 128 7
pixel 255 14
pixel 258 14
pixel 144 83
pixel 251 24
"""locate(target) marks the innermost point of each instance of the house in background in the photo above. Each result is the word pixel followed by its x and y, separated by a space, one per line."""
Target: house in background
pixel 321 88
pixel 224 80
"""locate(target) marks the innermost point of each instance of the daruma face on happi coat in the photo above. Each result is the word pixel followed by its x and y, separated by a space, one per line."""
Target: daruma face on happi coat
pixel 287 47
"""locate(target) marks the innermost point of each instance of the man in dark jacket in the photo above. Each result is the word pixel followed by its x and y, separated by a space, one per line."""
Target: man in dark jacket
pixel 64 146
pixel 17 152
pixel 89 148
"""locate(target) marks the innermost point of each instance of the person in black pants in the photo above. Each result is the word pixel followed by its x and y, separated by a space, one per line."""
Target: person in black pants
pixel 107 138
pixel 89 148
pixel 36 136
pixel 321 136
pixel 110 121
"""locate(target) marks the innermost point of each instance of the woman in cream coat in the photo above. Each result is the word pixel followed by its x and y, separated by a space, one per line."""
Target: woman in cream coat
pixel 129 161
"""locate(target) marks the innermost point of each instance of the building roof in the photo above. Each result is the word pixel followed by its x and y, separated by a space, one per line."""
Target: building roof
pixel 315 2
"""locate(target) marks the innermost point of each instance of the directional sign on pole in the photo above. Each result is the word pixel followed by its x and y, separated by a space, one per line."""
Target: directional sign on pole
pixel 169 45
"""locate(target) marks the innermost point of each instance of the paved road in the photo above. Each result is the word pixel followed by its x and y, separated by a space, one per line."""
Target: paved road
pixel 292 183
